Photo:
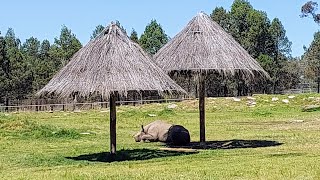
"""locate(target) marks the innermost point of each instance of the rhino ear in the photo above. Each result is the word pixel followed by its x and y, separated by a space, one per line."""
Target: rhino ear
pixel 142 129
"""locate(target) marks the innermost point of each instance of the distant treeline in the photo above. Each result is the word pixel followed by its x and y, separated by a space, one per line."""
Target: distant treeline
pixel 27 66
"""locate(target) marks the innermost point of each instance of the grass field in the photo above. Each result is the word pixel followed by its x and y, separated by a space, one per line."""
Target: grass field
pixel 67 145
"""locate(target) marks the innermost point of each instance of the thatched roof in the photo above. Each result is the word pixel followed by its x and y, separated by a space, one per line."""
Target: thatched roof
pixel 203 45
pixel 111 62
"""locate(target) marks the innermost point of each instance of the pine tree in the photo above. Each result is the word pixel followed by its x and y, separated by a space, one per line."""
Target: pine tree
pixel 312 57
pixel 134 36
pixel 97 31
pixel 18 76
pixel 153 38
pixel 64 47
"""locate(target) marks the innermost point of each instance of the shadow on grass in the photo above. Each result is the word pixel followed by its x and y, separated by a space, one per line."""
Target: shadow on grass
pixel 229 144
pixel 128 155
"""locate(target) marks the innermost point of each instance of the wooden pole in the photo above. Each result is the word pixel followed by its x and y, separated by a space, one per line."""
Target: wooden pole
pixel 113 121
pixel 202 88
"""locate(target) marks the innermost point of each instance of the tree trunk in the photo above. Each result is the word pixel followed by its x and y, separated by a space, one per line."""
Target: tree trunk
pixel 7 104
pixel 202 83
pixel 274 87
pixel 113 121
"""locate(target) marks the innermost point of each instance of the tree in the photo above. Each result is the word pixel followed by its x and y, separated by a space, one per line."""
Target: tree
pixel 281 50
pixel 45 68
pixel 240 10
pixel 36 54
pixel 257 39
pixel 64 47
pixel 309 9
pixel 44 49
pixel 2 69
pixel 282 45
pixel 18 77
pixel 100 28
pixel 312 57
pixel 134 36
pixel 31 47
pixel 222 17
pixel 153 37
pixel 97 31
pixel 121 27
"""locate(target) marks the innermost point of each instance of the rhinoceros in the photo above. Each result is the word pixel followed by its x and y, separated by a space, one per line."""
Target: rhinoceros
pixel 163 132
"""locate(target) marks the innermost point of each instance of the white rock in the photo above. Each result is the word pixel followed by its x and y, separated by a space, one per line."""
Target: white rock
pixel 285 101
pixel 275 99
pixel 252 103
pixel 172 106
pixel 152 115
pixel 85 133
pixel 297 121
pixel 291 97
pixel 251 98
pixel 310 97
pixel 236 99
pixel 213 98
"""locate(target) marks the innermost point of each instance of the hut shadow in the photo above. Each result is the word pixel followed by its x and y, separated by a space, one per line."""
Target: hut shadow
pixel 128 155
pixel 229 144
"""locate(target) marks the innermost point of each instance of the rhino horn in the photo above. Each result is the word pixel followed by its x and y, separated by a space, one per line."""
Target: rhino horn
pixel 142 129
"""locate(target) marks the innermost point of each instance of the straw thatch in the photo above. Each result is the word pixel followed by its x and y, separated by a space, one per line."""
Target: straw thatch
pixel 109 63
pixel 203 45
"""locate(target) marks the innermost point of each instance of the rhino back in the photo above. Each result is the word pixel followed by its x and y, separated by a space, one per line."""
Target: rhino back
pixel 158 129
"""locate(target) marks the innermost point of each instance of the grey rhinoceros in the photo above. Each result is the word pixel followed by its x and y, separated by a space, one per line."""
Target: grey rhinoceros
pixel 163 132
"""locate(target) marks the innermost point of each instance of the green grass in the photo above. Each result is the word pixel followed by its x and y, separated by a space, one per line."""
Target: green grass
pixel 67 145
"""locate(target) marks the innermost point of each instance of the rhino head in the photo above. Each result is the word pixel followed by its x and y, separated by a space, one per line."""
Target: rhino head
pixel 138 136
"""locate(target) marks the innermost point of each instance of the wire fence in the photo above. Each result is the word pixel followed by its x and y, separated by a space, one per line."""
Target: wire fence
pixel 45 105
pixel 80 106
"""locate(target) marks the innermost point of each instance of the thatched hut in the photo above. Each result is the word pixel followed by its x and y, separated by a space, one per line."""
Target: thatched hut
pixel 204 46
pixel 110 65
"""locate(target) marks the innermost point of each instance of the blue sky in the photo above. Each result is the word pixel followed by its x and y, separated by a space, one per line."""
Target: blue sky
pixel 43 19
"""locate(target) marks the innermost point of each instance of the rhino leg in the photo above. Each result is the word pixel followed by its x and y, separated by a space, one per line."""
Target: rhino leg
pixel 148 137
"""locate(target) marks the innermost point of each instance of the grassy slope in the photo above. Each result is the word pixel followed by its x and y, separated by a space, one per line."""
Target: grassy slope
pixel 35 145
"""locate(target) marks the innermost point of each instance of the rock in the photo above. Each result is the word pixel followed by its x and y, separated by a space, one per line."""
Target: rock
pixel 297 121
pixel 285 101
pixel 172 106
pixel 251 98
pixel 275 99
pixel 291 97
pixel 236 99
pixel 311 108
pixel 251 103
pixel 213 98
pixel 152 115
pixel 85 133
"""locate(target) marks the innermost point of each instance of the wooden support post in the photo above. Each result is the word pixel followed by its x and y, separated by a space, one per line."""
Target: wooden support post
pixel 202 89
pixel 113 123
pixel 318 81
